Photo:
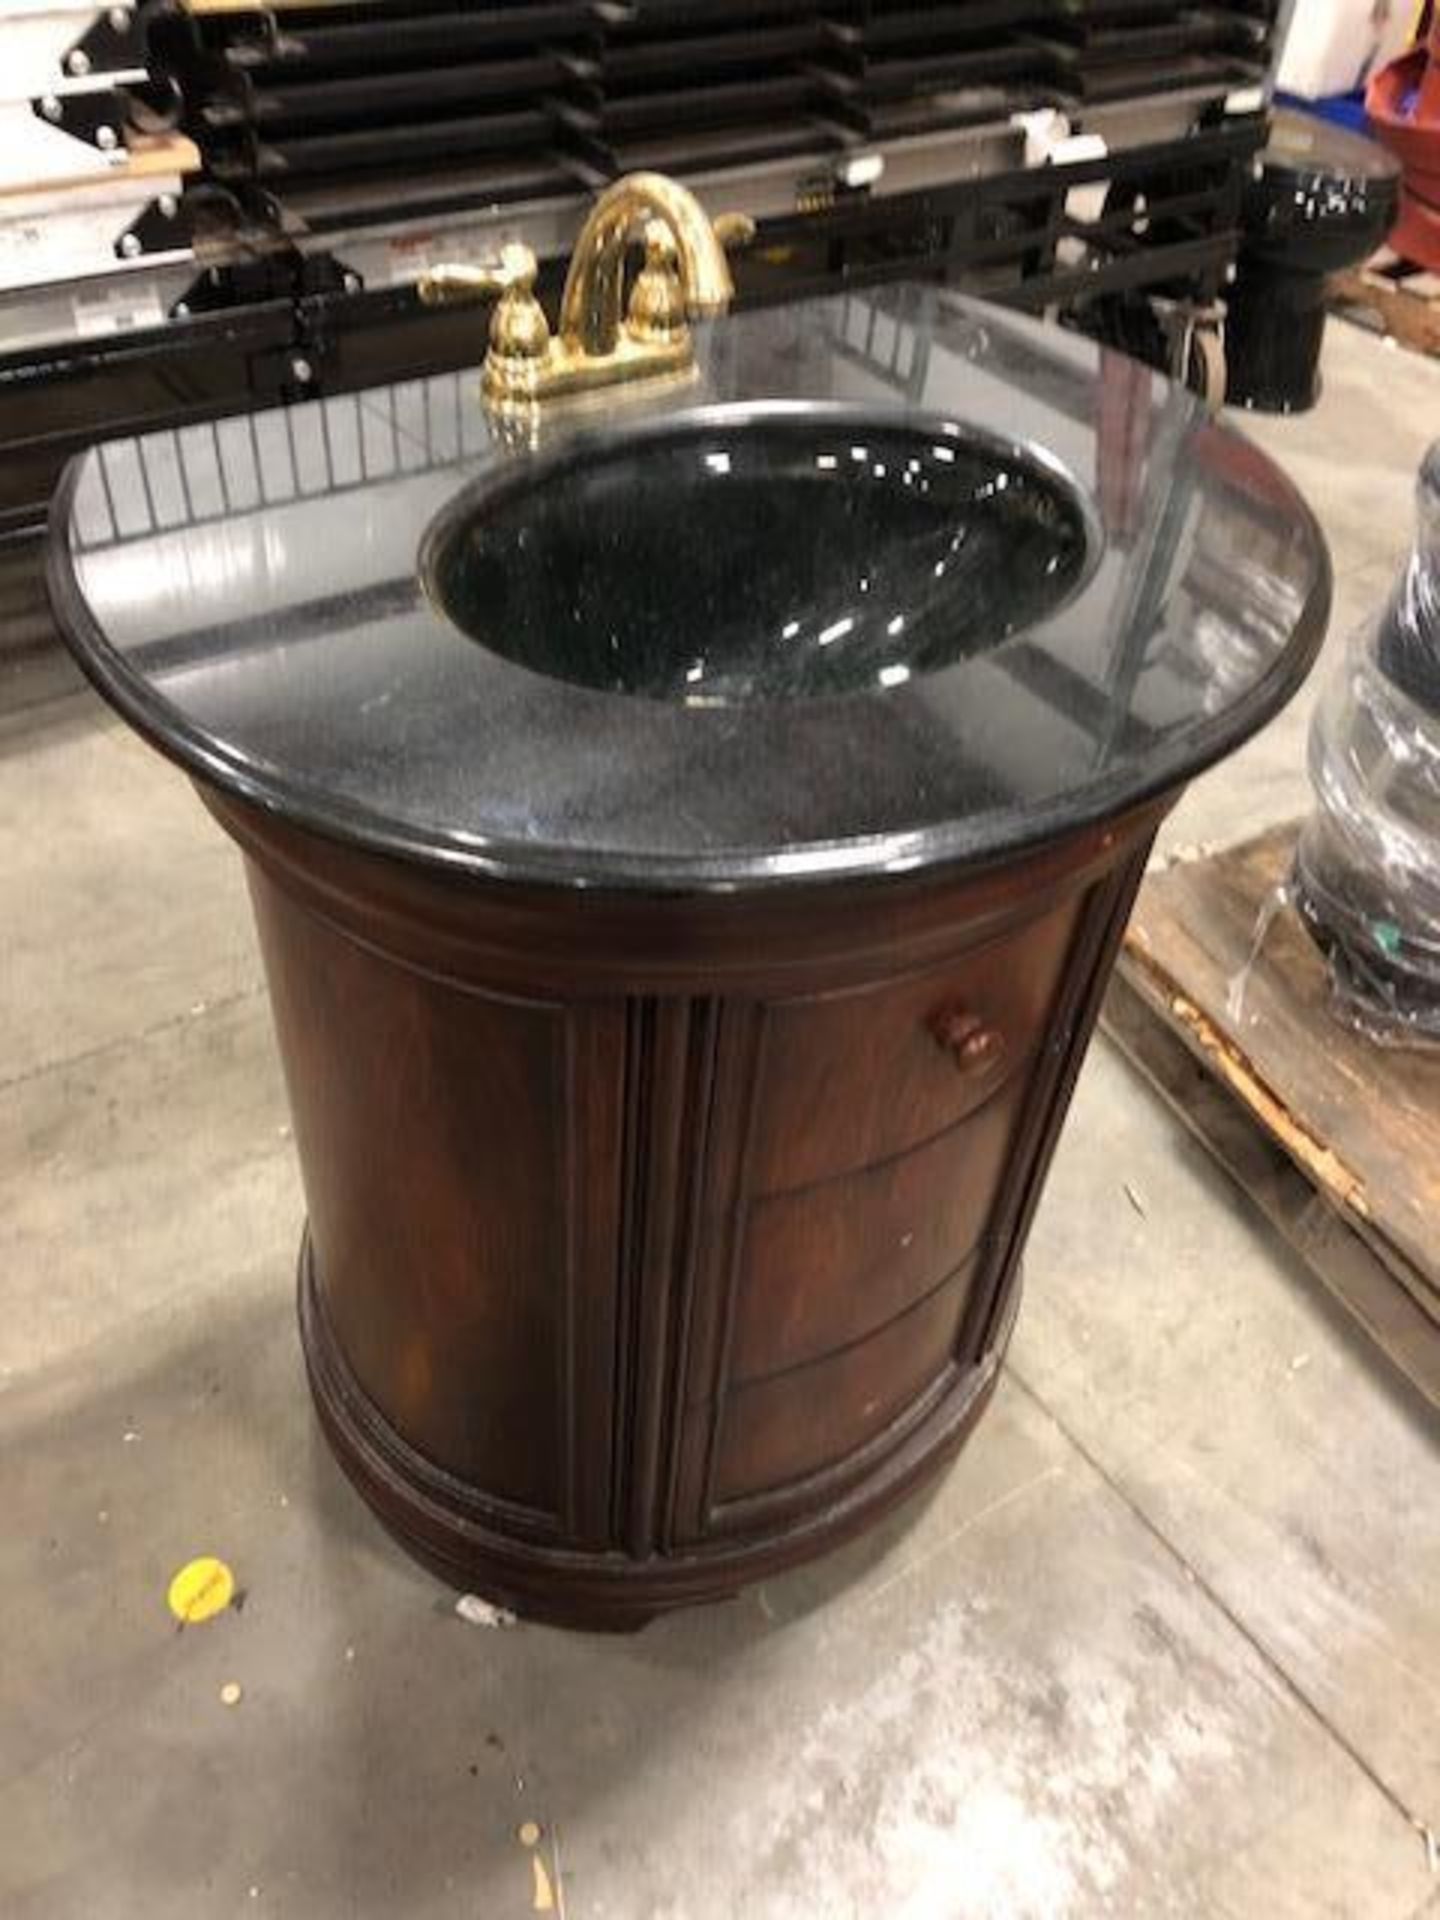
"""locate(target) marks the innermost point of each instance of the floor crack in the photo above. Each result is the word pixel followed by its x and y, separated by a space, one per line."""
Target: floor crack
pixel 66 1061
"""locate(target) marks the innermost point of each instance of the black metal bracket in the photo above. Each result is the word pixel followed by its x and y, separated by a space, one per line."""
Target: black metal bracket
pixel 294 368
pixel 95 116
pixel 113 42
pixel 278 273
pixel 162 226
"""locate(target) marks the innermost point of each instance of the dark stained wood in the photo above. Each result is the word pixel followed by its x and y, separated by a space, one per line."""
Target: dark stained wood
pixel 776 1431
pixel 506 937
pixel 854 1077
pixel 594 1131
pixel 656 1242
pixel 1359 1122
pixel 440 1521
pixel 830 1263
pixel 426 1152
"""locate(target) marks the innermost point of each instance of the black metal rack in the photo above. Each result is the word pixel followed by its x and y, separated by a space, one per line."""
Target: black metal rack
pixel 910 68
pixel 683 85
pixel 317 117
pixel 323 116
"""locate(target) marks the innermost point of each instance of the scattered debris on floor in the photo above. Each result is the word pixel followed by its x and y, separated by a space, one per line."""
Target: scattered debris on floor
pixel 231 1693
pixel 203 1588
pixel 483 1613
pixel 1133 1197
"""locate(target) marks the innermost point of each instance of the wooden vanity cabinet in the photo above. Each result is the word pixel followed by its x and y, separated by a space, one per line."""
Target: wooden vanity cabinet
pixel 657 1242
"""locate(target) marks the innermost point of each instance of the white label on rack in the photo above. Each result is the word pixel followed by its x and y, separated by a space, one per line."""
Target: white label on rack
pixel 410 255
pixel 1086 202
pixel 860 170
pixel 116 310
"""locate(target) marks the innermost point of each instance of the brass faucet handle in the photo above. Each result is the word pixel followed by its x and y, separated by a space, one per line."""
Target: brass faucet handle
pixel 460 285
pixel 657 307
pixel 657 300
pixel 733 230
pixel 520 342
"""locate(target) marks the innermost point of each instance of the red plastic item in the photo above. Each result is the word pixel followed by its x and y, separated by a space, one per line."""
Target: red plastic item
pixel 1403 102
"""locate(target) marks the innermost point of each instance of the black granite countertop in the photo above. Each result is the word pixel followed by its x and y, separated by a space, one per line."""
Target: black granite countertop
pixel 1150 590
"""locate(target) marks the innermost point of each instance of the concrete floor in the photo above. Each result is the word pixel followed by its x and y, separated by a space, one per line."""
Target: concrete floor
pixel 1164 1642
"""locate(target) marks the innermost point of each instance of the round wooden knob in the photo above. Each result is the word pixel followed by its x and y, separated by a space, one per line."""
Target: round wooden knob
pixel 970 1041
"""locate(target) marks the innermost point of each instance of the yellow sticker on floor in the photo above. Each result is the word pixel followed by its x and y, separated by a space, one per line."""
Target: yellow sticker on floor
pixel 201 1589
pixel 543 1896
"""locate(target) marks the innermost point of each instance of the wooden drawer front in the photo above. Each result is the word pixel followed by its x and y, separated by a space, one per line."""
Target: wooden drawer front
pixel 857 1077
pixel 824 1267
pixel 776 1431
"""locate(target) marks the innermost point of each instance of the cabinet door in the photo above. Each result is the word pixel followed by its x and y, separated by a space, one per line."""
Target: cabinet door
pixel 460 1155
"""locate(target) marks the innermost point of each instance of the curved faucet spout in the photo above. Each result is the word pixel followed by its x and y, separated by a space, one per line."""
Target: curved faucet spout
pixel 592 306
pixel 599 344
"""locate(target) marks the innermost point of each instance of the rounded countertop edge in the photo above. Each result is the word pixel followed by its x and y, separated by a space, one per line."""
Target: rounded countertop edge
pixel 959 846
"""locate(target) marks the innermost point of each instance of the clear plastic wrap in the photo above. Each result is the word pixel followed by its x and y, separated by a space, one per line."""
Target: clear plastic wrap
pixel 1367 869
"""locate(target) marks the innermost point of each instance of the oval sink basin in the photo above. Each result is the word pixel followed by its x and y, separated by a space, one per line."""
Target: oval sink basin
pixel 771 557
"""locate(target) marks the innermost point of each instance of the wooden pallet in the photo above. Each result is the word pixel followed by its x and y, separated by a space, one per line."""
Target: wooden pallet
pixel 1335 1138
pixel 1395 296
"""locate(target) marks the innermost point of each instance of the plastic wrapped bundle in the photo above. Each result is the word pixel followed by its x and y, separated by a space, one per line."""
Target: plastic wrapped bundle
pixel 1367 871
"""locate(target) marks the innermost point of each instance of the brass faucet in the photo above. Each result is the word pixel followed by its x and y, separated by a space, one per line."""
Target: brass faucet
pixel 601 341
